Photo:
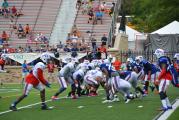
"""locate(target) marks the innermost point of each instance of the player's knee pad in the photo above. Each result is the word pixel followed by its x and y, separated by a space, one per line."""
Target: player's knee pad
pixel 162 95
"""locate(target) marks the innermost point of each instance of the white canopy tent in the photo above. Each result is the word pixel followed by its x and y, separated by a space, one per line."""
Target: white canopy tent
pixel 171 28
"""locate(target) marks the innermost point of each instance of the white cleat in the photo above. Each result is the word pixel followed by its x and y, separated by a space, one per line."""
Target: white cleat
pixel 115 100
pixel 127 101
pixel 107 101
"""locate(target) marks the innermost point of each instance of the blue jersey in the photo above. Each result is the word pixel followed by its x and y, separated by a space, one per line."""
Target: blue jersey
pixel 147 66
pixel 124 74
pixel 130 66
pixel 24 68
pixel 107 67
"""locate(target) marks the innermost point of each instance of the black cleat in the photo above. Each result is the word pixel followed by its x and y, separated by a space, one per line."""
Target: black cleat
pixel 13 108
pixel 45 107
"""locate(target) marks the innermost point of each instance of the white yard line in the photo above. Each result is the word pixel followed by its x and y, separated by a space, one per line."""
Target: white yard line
pixel 30 105
pixel 166 115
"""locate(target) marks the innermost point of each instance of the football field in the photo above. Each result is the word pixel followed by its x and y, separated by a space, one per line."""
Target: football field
pixel 87 108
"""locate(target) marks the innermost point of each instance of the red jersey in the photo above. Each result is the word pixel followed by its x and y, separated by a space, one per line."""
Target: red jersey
pixel 36 76
pixel 164 74
pixel 117 65
pixel 51 67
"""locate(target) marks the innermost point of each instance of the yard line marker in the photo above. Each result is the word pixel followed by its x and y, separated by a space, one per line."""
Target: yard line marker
pixel 165 115
pixel 80 107
pixel 30 105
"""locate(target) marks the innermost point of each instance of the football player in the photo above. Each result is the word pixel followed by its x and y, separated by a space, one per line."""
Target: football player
pixel 35 79
pixel 165 77
pixel 65 76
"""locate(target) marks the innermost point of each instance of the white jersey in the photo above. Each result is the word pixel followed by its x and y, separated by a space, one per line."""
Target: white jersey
pixel 90 77
pixel 83 66
pixel 67 70
pixel 39 65
pixel 78 72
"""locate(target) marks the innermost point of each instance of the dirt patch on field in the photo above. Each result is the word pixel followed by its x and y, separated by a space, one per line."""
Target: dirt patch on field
pixel 14 75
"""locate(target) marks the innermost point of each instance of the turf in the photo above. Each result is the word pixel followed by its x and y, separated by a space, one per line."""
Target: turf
pixel 175 115
pixel 93 109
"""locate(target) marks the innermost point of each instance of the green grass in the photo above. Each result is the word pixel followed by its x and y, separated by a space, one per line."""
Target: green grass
pixel 93 109
pixel 175 115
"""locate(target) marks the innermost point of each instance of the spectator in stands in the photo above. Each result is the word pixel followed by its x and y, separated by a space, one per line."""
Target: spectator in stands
pixel 60 45
pixel 1 42
pixel 112 9
pixel 74 39
pixel 1 12
pixel 78 4
pixel 93 42
pixel 5 5
pixel 27 29
pixel 103 51
pixel 4 37
pixel 20 31
pixel 98 16
pixel 84 8
pixel 91 15
pixel 104 39
pixel 66 49
pixel 14 11
pixel 68 40
pixel 28 49
pixel 103 6
pixel 19 13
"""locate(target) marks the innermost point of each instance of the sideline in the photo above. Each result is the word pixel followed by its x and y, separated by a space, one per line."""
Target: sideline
pixel 166 115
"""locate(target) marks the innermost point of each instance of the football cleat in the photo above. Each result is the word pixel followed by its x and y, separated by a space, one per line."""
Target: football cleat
pixel 163 109
pixel 13 108
pixel 115 100
pixel 54 98
pixel 73 96
pixel 107 101
pixel 45 107
pixel 169 107
pixel 127 101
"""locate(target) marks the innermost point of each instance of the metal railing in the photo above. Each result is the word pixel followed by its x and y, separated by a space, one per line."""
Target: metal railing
pixel 113 23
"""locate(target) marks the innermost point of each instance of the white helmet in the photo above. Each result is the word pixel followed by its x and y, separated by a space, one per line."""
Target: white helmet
pixel 176 56
pixel 45 57
pixel 129 60
pixel 159 53
pixel 86 62
pixel 140 58
pixel 4 56
pixel 74 60
pixel 99 74
pixel 106 61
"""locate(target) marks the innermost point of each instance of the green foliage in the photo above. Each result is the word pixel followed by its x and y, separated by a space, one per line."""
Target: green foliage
pixel 150 15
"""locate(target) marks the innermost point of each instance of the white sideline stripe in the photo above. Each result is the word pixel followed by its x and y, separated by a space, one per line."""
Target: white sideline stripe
pixel 166 114
pixel 30 105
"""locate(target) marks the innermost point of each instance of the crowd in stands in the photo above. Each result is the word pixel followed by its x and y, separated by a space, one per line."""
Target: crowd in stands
pixel 75 41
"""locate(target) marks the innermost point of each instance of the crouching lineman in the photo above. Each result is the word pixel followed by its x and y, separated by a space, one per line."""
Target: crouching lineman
pixel 116 84
pixel 35 79
pixel 91 81
pixel 65 76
